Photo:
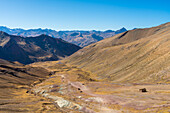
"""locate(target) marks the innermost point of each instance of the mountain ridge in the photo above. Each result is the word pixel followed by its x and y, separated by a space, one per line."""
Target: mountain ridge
pixel 82 38
pixel 128 72
pixel 122 58
pixel 30 49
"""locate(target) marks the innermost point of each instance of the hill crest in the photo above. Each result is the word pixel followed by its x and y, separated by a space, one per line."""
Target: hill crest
pixel 133 56
pixel 31 49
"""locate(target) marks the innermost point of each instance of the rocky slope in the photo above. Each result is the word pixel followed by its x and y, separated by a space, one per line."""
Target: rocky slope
pixel 31 49
pixel 80 38
pixel 135 56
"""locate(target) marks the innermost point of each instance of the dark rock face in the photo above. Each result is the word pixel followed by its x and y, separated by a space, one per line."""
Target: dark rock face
pixel 31 49
pixel 80 38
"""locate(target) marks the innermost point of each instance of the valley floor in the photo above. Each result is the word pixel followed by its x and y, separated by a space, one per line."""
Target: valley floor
pixel 73 90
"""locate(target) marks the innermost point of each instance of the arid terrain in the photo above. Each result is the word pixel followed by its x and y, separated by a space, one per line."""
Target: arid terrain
pixel 73 89
pixel 135 56
pixel 127 73
pixel 15 80
pixel 84 56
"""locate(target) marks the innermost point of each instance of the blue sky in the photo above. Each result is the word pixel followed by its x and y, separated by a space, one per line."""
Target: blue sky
pixel 83 14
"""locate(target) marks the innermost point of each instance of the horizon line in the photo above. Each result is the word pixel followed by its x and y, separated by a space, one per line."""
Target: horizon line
pixel 43 28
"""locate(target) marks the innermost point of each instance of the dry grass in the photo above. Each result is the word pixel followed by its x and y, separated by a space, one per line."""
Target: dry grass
pixel 104 77
pixel 140 56
pixel 111 97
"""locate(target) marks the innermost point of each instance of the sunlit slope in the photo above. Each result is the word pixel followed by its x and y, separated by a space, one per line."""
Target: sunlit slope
pixel 15 80
pixel 136 56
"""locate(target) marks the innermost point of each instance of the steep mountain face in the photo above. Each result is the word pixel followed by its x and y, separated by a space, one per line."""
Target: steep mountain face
pixel 135 56
pixel 80 38
pixel 30 49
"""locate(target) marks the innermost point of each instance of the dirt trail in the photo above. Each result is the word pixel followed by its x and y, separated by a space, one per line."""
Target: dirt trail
pixel 102 99
pixel 72 92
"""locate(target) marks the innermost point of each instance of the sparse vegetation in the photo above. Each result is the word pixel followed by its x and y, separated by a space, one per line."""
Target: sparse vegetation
pixel 125 73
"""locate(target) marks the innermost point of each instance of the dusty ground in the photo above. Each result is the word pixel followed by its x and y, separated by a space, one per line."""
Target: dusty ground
pixel 73 90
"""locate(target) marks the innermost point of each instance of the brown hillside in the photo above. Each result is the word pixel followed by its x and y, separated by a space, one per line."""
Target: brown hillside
pixel 135 56
pixel 15 80
pixel 32 49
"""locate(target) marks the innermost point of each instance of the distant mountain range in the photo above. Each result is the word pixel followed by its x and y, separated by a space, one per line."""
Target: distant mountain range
pixel 80 38
pixel 31 49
